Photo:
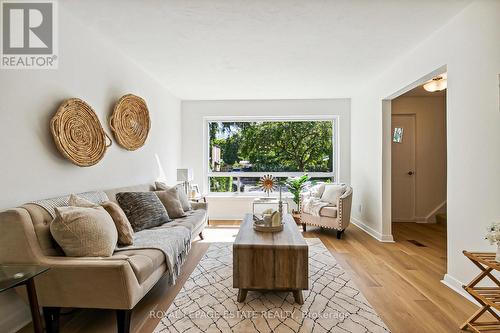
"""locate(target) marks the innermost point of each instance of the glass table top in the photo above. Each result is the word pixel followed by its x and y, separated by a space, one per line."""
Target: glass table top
pixel 13 275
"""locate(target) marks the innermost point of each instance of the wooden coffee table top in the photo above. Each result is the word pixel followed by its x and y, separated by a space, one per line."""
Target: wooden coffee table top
pixel 290 237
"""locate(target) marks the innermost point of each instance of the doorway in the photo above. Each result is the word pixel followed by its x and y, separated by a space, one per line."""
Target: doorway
pixel 418 156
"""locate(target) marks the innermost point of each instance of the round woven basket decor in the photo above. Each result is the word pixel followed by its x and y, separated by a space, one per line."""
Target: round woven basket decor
pixel 130 122
pixel 78 134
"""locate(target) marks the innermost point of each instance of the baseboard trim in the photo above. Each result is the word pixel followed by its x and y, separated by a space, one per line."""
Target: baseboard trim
pixel 372 232
pixel 456 286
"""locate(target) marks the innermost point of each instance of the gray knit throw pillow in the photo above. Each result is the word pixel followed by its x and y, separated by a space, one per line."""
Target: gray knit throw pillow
pixel 143 209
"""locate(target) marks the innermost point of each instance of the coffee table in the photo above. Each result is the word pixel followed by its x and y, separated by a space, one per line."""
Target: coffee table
pixel 270 261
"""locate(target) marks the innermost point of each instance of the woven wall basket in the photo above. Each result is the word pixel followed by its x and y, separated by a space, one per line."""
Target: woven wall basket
pixel 78 134
pixel 130 122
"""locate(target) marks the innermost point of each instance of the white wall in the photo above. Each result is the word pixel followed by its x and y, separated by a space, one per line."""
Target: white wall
pixel 430 150
pixel 31 167
pixel 469 46
pixel 193 113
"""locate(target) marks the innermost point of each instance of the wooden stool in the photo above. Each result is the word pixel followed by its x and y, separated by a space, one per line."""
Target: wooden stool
pixel 488 297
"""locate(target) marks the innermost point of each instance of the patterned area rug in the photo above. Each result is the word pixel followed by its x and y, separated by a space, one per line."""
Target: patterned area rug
pixel 207 302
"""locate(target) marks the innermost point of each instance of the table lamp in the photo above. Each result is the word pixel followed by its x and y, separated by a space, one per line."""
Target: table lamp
pixel 185 175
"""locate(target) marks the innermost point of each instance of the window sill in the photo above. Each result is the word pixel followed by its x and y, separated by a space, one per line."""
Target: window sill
pixel 246 195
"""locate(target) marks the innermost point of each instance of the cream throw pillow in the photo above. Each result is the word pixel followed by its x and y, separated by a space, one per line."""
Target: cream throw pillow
pixel 332 193
pixel 170 199
pixel 186 205
pixel 76 201
pixel 84 231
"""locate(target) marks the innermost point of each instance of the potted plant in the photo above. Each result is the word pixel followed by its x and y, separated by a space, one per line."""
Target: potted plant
pixel 493 236
pixel 295 186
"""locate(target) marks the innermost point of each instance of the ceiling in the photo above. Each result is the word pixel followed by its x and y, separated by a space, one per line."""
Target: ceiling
pixel 238 49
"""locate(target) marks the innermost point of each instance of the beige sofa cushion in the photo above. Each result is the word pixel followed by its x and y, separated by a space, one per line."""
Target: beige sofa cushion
pixel 170 199
pixel 328 212
pixel 144 262
pixel 122 224
pixel 193 220
pixel 84 231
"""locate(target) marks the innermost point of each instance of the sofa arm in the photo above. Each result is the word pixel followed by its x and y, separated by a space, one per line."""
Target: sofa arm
pixel 344 204
pixel 108 283
pixel 199 205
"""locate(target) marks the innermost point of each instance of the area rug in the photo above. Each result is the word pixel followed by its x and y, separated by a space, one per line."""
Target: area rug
pixel 207 302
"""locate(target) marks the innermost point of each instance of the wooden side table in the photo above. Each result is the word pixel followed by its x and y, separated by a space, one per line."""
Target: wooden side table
pixel 488 297
pixel 12 276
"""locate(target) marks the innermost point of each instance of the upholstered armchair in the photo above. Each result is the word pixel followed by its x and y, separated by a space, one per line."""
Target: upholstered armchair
pixel 333 216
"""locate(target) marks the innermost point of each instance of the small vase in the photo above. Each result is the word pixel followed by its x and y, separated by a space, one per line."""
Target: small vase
pixel 497 256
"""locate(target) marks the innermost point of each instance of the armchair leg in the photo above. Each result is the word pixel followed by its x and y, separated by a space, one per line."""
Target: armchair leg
pixel 201 236
pixel 123 320
pixel 51 317
pixel 339 233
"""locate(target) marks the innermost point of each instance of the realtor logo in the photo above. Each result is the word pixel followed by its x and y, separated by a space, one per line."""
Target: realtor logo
pixel 28 35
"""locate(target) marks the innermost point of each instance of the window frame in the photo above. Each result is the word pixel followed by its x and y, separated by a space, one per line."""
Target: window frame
pixel 206 150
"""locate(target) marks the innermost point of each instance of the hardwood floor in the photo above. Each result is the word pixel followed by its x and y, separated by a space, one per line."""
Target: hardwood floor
pixel 401 280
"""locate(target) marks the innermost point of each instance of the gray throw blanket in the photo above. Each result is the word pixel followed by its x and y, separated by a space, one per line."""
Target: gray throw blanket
pixel 174 242
pixel 97 197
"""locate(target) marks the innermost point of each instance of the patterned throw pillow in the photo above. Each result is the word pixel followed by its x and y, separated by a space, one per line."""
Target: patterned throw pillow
pixel 84 231
pixel 143 209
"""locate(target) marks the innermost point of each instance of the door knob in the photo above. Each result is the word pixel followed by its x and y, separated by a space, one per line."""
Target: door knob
pixel 410 173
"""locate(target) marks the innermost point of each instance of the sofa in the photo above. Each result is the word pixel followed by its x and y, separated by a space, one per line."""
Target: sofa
pixel 118 282
pixel 334 216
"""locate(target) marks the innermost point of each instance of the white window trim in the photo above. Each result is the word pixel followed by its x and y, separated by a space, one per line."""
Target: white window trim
pixel 206 151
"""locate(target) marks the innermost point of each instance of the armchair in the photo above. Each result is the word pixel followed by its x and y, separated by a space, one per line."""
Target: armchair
pixel 335 217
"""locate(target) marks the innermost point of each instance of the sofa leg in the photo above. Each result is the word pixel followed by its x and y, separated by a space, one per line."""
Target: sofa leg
pixel 339 233
pixel 123 320
pixel 201 236
pixel 51 317
pixel 304 227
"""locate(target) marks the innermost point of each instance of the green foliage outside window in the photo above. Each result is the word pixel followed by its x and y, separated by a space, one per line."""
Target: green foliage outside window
pixel 221 184
pixel 279 146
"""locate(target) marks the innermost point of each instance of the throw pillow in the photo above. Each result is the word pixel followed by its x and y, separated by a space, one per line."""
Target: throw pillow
pixel 76 201
pixel 170 199
pixel 317 190
pixel 186 205
pixel 143 209
pixel 125 231
pixel 84 231
pixel 332 193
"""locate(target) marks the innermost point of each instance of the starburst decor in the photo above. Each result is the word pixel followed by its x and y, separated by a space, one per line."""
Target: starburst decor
pixel 268 183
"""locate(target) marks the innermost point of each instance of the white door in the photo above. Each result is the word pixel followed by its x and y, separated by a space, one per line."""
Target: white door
pixel 403 168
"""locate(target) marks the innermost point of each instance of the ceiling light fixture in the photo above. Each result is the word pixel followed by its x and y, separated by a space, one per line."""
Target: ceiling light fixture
pixel 436 84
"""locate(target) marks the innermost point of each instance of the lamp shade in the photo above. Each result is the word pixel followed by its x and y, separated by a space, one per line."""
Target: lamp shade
pixel 185 175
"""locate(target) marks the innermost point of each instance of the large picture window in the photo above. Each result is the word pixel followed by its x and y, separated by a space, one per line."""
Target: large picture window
pixel 240 152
